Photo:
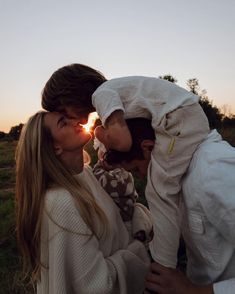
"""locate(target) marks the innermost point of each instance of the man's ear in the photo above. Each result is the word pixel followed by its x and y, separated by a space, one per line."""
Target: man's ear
pixel 147 147
pixel 58 149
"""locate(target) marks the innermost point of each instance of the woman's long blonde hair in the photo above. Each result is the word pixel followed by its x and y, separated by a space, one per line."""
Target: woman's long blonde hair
pixel 38 168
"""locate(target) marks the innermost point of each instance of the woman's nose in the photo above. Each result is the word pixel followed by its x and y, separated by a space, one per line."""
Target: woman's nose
pixel 73 121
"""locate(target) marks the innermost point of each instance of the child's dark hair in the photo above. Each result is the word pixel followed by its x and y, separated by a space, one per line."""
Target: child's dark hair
pixel 71 85
pixel 140 129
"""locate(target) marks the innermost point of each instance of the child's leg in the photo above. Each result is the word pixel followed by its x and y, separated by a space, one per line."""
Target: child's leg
pixel 177 137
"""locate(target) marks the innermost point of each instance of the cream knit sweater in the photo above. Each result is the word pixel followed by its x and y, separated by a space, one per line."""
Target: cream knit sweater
pixel 77 263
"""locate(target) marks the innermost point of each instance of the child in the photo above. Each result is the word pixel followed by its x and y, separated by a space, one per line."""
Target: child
pixel 119 184
pixel 178 120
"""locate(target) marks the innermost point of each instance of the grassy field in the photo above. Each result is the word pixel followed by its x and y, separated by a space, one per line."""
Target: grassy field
pixel 10 263
pixel 11 279
pixel 8 255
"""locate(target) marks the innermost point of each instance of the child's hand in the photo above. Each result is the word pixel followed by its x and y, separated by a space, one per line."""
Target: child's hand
pixel 115 135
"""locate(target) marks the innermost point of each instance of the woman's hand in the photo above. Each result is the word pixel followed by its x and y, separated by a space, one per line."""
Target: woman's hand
pixel 163 280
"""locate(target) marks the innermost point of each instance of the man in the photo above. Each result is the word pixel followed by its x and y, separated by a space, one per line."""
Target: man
pixel 207 213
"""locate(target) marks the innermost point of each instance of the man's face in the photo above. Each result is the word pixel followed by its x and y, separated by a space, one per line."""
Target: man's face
pixel 138 167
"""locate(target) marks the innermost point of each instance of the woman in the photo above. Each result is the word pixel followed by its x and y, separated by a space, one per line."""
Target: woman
pixel 71 234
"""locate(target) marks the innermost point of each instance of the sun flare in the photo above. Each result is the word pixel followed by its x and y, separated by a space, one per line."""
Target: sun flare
pixel 91 121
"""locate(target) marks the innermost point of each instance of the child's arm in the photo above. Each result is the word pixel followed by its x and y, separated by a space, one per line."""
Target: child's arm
pixel 115 134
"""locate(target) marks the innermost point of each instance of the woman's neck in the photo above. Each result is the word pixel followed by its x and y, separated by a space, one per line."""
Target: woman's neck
pixel 73 161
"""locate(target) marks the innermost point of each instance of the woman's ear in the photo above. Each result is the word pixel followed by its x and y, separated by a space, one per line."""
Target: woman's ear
pixel 58 149
pixel 147 147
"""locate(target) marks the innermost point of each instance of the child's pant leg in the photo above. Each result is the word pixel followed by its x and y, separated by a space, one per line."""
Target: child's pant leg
pixel 177 137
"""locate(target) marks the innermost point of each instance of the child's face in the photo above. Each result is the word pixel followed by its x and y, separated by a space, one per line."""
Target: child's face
pixel 102 135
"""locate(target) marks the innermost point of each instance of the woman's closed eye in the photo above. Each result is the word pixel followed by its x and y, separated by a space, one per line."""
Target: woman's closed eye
pixel 61 122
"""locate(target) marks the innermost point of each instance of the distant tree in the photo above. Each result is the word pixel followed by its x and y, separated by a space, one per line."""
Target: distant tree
pixel 213 113
pixel 2 135
pixel 193 85
pixel 229 121
pixel 169 78
pixel 225 109
pixel 15 132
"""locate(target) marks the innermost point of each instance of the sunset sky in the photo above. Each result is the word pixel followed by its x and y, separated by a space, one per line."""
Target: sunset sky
pixel 184 38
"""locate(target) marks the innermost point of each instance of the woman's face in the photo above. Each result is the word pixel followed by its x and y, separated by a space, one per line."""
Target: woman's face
pixel 68 135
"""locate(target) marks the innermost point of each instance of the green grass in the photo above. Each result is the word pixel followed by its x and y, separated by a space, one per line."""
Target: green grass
pixel 7 153
pixel 7 216
pixel 11 280
pixel 7 177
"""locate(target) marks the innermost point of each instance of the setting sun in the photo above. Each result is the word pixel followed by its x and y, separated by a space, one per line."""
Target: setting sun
pixel 91 121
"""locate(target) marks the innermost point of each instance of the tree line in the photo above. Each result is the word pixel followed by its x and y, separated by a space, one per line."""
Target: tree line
pixel 218 119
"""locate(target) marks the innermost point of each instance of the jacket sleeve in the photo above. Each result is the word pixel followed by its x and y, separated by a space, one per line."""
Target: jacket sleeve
pixel 219 205
pixel 218 186
pixel 77 264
